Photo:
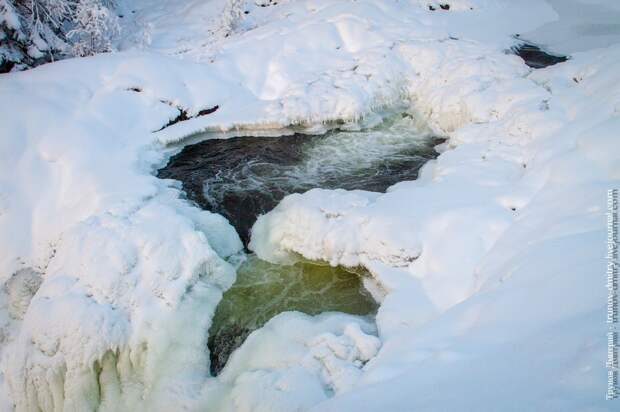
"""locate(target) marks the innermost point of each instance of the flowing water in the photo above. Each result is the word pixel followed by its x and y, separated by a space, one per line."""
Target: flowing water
pixel 263 290
pixel 243 177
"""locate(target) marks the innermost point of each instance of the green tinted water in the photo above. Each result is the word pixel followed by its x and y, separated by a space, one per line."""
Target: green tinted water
pixel 263 290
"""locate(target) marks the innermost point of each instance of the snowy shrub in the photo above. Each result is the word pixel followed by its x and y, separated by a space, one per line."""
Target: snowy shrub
pixel 232 13
pixel 33 31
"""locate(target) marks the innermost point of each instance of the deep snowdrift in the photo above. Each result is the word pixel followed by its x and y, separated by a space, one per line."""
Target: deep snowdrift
pixel 491 263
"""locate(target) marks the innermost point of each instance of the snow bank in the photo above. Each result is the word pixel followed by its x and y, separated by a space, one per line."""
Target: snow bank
pixel 492 259
pixel 294 362
pixel 111 279
pixel 461 88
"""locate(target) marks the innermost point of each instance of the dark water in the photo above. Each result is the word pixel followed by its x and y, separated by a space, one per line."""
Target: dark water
pixel 244 177
pixel 537 58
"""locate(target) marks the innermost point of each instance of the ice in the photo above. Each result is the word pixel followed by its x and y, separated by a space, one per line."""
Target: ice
pixel 295 361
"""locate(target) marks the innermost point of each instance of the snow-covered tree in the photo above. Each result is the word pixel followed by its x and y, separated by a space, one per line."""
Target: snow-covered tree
pixel 10 35
pixel 39 30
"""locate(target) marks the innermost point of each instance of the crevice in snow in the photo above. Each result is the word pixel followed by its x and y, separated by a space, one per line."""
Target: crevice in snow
pixel 535 56
pixel 184 114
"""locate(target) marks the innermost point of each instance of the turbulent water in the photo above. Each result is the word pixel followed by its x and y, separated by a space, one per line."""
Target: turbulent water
pixel 243 177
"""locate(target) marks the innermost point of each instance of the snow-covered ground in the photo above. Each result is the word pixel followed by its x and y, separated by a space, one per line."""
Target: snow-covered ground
pixel 490 267
pixel 581 25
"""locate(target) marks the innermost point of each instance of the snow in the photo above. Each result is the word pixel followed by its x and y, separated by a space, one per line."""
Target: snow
pixel 581 25
pixel 487 288
pixel 186 28
pixel 122 257
pixel 294 362
pixel 489 267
